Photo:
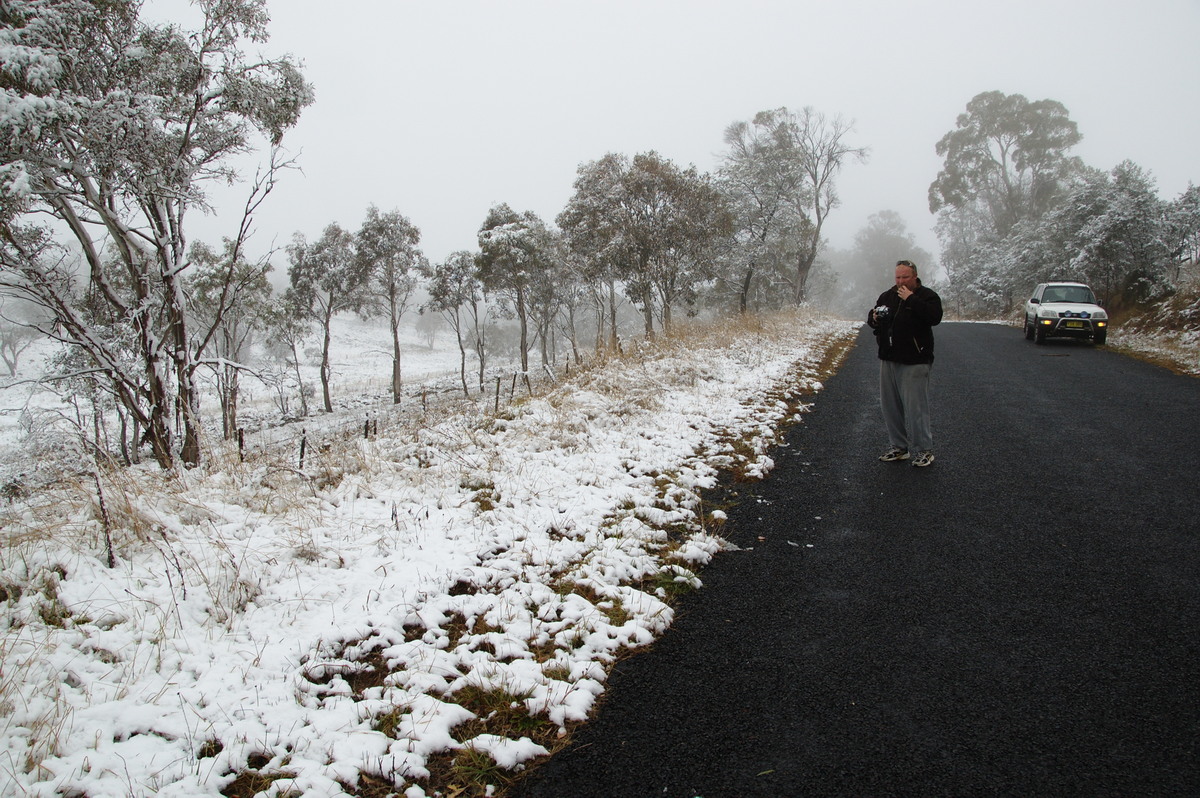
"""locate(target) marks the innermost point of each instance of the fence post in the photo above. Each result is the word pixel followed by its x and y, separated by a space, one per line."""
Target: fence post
pixel 303 446
pixel 241 444
pixel 497 394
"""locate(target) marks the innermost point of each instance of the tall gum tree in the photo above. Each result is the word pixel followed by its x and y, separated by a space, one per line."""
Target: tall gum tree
pixel 1007 155
pixel 512 256
pixel 454 290
pixel 386 245
pixel 327 279
pixel 650 222
pixel 782 168
pixel 111 127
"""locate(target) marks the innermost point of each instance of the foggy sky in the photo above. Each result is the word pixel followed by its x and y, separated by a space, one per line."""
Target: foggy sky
pixel 442 109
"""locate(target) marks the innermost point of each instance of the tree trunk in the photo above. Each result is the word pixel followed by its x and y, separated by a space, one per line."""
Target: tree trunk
pixel 480 343
pixel 227 387
pixel 299 381
pixel 185 370
pixel 158 428
pixel 744 296
pixel 612 315
pixel 325 364
pixel 397 383
pixel 598 305
pixel 523 314
pixel 648 313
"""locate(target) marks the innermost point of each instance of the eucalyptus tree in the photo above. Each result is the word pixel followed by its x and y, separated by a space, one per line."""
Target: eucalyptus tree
pixel 1116 238
pixel 386 246
pixel 550 296
pixel 578 291
pixel 456 292
pixel 287 326
pixel 1008 157
pixel 109 130
pixel 782 169
pixel 761 191
pixel 701 230
pixel 327 279
pixel 1183 230
pixel 966 259
pixel 594 235
pixel 17 333
pixel 513 256
pixel 882 241
pixel 228 296
pixel 649 221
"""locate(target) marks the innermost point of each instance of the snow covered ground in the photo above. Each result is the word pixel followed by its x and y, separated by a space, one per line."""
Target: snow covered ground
pixel 388 604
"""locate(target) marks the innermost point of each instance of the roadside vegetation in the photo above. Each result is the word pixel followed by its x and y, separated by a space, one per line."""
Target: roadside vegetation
pixel 1166 332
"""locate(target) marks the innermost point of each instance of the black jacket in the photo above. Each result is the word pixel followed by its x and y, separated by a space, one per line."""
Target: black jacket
pixel 905 332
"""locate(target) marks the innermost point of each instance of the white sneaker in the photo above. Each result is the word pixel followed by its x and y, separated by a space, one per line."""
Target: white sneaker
pixel 893 454
pixel 923 459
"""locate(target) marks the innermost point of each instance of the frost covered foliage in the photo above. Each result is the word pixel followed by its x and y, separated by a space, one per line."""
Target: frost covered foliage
pixel 455 590
pixel 1014 210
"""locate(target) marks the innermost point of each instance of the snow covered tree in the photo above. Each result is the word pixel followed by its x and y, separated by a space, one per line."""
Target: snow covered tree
pixel 762 194
pixel 549 294
pixel 1183 231
pixel 227 296
pixel 17 332
pixel 386 245
pixel 286 327
pixel 781 169
pixel 327 278
pixel 649 221
pixel 815 146
pixel 964 237
pixel 596 239
pixel 111 127
pixel 512 257
pixel 1117 225
pixel 456 292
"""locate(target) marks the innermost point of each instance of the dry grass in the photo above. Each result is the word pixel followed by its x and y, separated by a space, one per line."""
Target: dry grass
pixel 1167 334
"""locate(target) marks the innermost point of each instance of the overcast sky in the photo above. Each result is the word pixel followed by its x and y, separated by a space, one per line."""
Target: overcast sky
pixel 441 109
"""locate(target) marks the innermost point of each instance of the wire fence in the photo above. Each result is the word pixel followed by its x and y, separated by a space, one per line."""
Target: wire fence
pixel 296 440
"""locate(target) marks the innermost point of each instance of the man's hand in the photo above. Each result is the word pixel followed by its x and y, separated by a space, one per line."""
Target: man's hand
pixel 904 291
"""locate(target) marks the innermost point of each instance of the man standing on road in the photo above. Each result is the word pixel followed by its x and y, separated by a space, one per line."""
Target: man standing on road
pixel 903 319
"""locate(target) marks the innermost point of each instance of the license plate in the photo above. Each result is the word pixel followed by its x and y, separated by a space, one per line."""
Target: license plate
pixel 1074 324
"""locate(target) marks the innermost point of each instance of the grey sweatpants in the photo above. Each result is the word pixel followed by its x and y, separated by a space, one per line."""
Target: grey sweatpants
pixel 904 399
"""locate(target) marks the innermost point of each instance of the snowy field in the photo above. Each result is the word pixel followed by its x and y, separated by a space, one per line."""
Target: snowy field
pixel 371 614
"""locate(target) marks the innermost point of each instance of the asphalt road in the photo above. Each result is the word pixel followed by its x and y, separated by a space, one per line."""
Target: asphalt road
pixel 1020 618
